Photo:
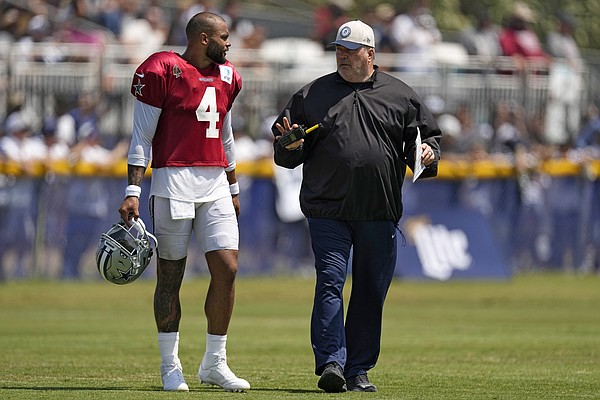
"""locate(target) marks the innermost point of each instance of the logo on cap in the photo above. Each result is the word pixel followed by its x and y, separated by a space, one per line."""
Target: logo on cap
pixel 345 32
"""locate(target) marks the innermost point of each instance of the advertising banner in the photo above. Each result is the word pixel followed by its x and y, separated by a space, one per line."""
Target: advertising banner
pixel 449 244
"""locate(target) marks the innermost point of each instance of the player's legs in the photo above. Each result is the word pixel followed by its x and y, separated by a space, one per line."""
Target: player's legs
pixel 173 238
pixel 217 232
pixel 218 307
pixel 167 306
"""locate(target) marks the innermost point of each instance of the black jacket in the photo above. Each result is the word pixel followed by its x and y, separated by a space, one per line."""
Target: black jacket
pixel 354 165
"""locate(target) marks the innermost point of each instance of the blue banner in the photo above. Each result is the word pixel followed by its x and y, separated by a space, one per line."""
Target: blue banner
pixel 449 244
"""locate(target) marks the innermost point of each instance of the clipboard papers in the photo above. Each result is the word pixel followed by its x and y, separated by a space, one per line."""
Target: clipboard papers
pixel 419 166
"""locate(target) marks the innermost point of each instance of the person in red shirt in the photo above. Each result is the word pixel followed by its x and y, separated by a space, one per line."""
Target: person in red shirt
pixel 518 40
pixel 182 122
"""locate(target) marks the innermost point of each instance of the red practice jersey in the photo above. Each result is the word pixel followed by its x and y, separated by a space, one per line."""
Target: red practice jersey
pixel 194 103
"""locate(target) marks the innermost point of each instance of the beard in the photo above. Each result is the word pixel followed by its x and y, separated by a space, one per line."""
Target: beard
pixel 215 53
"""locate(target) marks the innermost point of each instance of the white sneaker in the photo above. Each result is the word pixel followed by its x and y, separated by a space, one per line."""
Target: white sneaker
pixel 172 378
pixel 214 371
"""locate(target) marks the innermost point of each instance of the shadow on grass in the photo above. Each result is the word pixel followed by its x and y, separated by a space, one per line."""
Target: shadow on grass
pixel 152 389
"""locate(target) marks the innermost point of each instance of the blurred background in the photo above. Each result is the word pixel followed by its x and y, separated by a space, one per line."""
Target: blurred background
pixel 515 86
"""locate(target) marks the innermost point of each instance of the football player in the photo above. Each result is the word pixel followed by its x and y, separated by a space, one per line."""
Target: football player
pixel 182 122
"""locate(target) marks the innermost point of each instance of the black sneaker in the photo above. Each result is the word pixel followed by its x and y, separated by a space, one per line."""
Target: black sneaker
pixel 360 383
pixel 332 379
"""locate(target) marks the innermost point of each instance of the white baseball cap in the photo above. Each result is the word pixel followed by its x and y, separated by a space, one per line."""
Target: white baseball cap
pixel 354 34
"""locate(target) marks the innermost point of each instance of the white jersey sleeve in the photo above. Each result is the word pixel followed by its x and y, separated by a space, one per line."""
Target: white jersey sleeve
pixel 145 120
pixel 228 142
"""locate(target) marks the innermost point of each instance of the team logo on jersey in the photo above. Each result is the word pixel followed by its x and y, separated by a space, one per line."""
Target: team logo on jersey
pixel 226 73
pixel 138 88
pixel 176 71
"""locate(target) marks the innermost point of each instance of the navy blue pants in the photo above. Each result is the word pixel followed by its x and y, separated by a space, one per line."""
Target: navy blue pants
pixel 354 345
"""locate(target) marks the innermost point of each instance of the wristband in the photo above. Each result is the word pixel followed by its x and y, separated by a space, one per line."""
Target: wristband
pixel 234 188
pixel 133 190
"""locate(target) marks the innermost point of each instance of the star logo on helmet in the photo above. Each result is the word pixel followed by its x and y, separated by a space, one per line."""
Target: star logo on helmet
pixel 127 275
pixel 138 88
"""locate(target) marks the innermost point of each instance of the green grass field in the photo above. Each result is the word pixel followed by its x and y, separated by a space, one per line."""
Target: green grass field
pixel 534 337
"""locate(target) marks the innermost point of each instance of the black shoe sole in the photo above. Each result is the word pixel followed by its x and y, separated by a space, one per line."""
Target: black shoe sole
pixel 332 383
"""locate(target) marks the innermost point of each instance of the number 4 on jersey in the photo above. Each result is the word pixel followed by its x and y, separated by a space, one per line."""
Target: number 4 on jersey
pixel 207 112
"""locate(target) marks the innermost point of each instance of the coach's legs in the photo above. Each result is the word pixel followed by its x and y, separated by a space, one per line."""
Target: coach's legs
pixel 331 243
pixel 373 264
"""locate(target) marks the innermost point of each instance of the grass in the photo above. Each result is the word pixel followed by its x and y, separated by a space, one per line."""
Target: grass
pixel 534 337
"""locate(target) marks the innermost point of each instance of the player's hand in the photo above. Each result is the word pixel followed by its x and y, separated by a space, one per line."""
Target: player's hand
pixel 236 204
pixel 130 208
pixel 287 127
pixel 427 156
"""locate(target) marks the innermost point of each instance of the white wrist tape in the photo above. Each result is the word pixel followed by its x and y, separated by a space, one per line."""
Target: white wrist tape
pixel 234 188
pixel 133 190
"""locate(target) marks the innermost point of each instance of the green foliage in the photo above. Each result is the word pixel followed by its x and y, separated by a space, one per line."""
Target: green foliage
pixel 535 337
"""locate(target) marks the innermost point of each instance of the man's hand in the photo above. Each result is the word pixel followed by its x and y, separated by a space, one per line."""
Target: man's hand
pixel 130 208
pixel 236 204
pixel 287 127
pixel 427 156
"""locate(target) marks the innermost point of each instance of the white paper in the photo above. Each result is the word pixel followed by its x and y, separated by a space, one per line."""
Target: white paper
pixel 419 166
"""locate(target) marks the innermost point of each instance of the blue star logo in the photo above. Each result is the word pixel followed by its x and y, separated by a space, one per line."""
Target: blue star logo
pixel 138 88
pixel 126 275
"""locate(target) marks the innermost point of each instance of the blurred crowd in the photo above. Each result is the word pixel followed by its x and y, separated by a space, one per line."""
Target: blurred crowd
pixel 146 25
pixel 561 129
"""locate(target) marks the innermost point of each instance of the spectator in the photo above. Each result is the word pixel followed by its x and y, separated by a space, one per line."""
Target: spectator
pixel 292 236
pixel 70 28
pixel 53 189
pixel 18 195
pixel 382 19
pixel 56 149
pixel 564 98
pixel 415 33
pixel 447 122
pixel 86 112
pixel 110 16
pixel 475 136
pixel 88 199
pixel 483 39
pixel 517 38
pixel 39 44
pixel 327 18
pixel 13 23
pixel 186 10
pixel 510 128
pixel 146 34
pixel 241 29
pixel 589 135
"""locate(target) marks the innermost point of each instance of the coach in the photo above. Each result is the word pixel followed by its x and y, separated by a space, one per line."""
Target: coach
pixel 353 168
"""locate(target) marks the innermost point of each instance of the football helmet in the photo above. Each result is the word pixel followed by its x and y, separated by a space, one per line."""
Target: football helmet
pixel 124 252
